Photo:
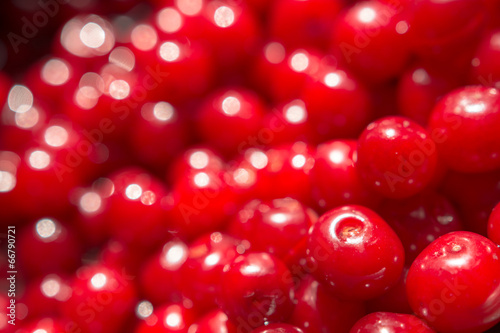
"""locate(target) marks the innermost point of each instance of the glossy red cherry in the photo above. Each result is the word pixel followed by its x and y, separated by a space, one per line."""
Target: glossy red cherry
pixel 200 158
pixel 381 322
pixel 48 246
pixel 355 253
pixel 278 328
pixel 396 157
pixel 420 220
pixel 303 23
pixel 164 266
pixel 453 284
pixel 101 299
pixel 419 89
pixel 168 318
pixel 464 125
pixel 213 322
pixel 338 105
pixel 256 291
pixel 494 225
pixel 159 133
pixel 202 271
pixel 137 209
pixel 230 120
pixel 316 310
pixel 274 227
pixel 335 178
pixel 371 41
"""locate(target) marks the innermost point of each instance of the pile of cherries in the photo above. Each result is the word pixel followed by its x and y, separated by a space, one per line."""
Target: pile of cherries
pixel 238 166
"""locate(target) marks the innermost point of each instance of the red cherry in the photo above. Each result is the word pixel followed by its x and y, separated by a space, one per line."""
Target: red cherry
pixel 494 225
pixel 355 234
pixel 396 157
pixel 195 159
pixel 419 88
pixel 164 266
pixel 137 210
pixel 274 227
pixel 256 291
pixel 420 220
pixel 278 328
pixel 316 310
pixel 158 134
pixel 303 23
pixel 335 178
pixel 229 120
pixel 484 69
pixel 213 322
pixel 202 271
pixel 371 40
pixel 338 105
pixel 165 319
pixel 453 284
pixel 394 299
pixel 47 246
pixel 44 324
pixel 101 300
pixel 464 125
pixel 381 322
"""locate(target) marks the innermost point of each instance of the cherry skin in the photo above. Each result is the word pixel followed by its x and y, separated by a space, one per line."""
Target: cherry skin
pixel 394 299
pixel 419 89
pixel 47 246
pixel 44 324
pixel 494 225
pixel 302 23
pixel 338 104
pixel 278 328
pixel 317 310
pixel 199 158
pixel 453 284
pixel 371 41
pixel 380 322
pixel 355 234
pixel 274 227
pixel 335 178
pixel 215 321
pixel 101 300
pixel 419 220
pixel 396 157
pixel 160 267
pixel 465 127
pixel 229 119
pixel 158 134
pixel 261 276
pixel 168 318
pixel 202 271
pixel 484 71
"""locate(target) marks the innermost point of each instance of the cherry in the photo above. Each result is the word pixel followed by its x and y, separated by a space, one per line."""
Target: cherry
pixel 380 322
pixel 494 225
pixel 453 284
pixel 408 161
pixel 394 299
pixel 229 120
pixel 165 319
pixel 256 291
pixel 484 71
pixel 338 105
pixel 274 227
pixel 420 220
pixel 370 38
pixel 278 328
pixel 215 321
pixel 472 113
pixel 202 271
pixel 335 178
pixel 316 310
pixel 44 324
pixel 158 134
pixel 350 234
pixel 47 246
pixel 302 23
pixel 419 88
pixel 195 159
pixel 101 299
